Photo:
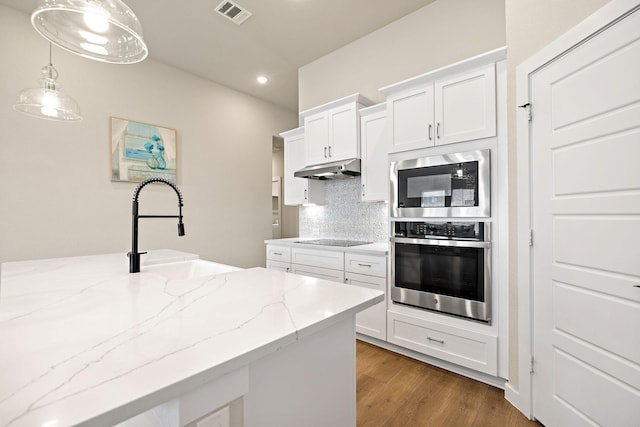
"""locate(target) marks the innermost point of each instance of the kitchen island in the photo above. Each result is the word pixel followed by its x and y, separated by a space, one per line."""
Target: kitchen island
pixel 86 343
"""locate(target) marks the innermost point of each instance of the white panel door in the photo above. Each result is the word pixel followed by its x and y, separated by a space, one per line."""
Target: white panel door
pixel 585 137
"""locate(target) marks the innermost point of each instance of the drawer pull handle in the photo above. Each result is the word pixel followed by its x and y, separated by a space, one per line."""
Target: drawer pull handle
pixel 277 253
pixel 364 265
pixel 435 340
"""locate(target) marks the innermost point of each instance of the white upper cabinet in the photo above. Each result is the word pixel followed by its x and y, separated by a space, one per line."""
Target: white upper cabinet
pixel 332 131
pixel 412 119
pixel 374 148
pixel 316 134
pixel 442 107
pixel 465 106
pixel 298 191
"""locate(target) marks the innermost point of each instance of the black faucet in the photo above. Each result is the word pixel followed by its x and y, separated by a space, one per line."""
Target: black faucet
pixel 134 255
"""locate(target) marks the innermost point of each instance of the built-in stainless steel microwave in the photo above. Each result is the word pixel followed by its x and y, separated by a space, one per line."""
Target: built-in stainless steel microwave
pixel 448 186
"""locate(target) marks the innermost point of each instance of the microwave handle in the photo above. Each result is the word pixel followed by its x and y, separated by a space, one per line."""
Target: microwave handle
pixel 438 242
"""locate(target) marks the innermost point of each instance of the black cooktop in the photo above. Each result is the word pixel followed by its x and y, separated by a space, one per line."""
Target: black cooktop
pixel 333 242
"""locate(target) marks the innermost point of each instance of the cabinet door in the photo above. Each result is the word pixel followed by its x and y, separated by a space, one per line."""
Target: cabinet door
pixel 298 191
pixel 294 188
pixel 466 106
pixel 279 253
pixel 374 147
pixel 370 265
pixel 318 272
pixel 373 320
pixel 318 258
pixel 278 265
pixel 456 345
pixel 316 132
pixel 343 133
pixel 412 119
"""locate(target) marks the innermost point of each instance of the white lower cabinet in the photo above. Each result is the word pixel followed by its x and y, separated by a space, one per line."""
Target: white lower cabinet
pixel 372 321
pixel 464 347
pixel 279 265
pixel 279 258
pixel 369 271
pixel 323 264
pixel 355 269
pixel 318 258
pixel 318 272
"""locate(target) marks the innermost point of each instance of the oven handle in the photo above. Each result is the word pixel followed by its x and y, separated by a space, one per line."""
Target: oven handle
pixel 436 242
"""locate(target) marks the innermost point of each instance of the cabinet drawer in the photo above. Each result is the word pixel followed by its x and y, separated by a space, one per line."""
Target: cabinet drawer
pixel 371 265
pixel 279 253
pixel 317 272
pixel 377 283
pixel 278 265
pixel 463 347
pixel 318 258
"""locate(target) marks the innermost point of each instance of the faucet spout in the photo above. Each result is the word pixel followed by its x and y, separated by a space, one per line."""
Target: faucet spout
pixel 134 255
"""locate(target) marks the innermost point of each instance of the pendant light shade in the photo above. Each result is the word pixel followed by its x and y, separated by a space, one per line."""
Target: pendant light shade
pixel 47 102
pixel 103 30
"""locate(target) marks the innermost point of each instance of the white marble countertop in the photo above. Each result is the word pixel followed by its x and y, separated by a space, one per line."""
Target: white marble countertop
pixel 84 341
pixel 378 248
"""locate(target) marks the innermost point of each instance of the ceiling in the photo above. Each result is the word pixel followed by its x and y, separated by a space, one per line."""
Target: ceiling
pixel 280 37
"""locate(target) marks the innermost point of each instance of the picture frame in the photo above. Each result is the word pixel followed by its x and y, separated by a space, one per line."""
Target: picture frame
pixel 142 150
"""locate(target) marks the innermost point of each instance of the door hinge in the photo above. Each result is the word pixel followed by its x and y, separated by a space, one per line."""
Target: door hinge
pixel 527 106
pixel 530 237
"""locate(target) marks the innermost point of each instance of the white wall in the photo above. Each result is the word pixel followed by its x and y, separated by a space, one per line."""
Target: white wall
pixel 56 197
pixel 439 34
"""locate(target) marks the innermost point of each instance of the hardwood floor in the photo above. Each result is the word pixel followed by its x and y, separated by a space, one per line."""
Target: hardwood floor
pixel 394 390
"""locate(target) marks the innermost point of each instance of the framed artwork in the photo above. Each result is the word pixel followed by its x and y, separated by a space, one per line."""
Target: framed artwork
pixel 142 150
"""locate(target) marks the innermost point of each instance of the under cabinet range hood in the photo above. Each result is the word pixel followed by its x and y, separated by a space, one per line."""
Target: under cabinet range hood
pixel 335 170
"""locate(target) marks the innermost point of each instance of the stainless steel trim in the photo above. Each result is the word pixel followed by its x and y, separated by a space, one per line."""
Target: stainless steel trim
pixel 341 169
pixel 484 176
pixel 439 242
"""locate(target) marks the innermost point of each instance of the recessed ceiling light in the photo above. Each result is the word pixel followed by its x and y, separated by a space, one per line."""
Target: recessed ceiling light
pixel 262 80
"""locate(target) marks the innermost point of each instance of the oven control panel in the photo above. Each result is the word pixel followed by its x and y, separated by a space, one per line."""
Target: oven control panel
pixel 440 230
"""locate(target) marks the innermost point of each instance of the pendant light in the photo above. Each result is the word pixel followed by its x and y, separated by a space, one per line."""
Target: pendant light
pixel 47 102
pixel 103 30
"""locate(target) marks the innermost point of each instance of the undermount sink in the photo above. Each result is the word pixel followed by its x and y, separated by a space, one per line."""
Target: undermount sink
pixel 188 269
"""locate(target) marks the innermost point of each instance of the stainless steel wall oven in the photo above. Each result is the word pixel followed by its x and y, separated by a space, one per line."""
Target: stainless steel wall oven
pixel 449 185
pixel 442 266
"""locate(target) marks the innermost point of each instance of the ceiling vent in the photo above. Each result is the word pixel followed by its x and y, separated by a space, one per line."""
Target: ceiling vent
pixel 233 11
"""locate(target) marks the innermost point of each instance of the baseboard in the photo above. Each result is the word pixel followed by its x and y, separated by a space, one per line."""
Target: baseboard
pixel 514 397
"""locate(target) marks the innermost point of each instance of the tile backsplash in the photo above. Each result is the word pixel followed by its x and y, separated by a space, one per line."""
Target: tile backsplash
pixel 344 216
